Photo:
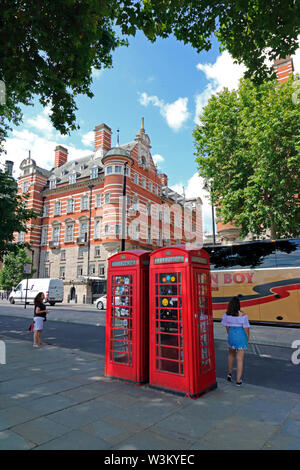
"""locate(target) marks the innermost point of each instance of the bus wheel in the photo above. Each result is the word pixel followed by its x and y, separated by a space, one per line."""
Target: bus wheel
pixel 12 300
pixel 52 304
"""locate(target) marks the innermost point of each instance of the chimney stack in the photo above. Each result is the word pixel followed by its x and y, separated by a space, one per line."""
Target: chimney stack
pixel 283 68
pixel 163 179
pixel 102 137
pixel 61 156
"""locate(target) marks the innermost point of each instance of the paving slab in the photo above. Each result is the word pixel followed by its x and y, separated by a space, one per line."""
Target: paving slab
pixel 67 403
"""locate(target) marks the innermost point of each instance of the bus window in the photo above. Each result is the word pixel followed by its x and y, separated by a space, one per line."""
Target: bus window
pixel 245 256
pixel 288 253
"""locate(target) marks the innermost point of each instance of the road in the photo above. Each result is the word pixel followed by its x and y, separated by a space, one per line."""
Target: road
pixel 269 366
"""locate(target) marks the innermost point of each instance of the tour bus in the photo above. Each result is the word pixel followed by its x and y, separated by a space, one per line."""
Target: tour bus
pixel 265 274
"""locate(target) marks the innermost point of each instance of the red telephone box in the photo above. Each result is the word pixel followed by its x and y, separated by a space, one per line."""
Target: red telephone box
pixel 182 357
pixel 127 316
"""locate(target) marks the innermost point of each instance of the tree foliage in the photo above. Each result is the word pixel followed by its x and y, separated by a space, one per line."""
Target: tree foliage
pixel 50 48
pixel 13 269
pixel 13 214
pixel 248 148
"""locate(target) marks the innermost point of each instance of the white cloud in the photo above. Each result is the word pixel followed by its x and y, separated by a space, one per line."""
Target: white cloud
pixel 193 189
pixel 175 113
pixel 157 159
pixel 224 73
pixel 42 124
pixel 40 138
pixel 88 138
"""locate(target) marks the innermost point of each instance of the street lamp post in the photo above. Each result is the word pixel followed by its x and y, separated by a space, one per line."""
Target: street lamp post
pixel 207 187
pixel 124 210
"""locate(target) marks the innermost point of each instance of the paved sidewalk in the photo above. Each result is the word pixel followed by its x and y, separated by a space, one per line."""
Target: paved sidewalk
pixel 56 398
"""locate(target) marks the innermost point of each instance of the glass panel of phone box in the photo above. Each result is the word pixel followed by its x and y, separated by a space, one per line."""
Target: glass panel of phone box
pixel 121 320
pixel 204 320
pixel 169 333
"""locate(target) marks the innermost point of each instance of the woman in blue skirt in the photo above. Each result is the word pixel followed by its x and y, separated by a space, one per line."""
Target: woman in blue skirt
pixel 238 329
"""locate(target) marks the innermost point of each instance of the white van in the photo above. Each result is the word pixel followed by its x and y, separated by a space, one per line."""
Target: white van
pixel 53 290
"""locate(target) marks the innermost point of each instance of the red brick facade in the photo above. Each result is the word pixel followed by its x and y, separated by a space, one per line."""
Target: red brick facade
pixel 82 204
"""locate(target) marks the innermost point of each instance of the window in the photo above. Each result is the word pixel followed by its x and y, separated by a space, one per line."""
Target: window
pixel 72 178
pixel 80 251
pixel 21 237
pixel 166 214
pixel 149 208
pixel 55 234
pixel 97 229
pixel 128 200
pixel 109 170
pixel 94 172
pixel 44 236
pixel 92 269
pixel 84 203
pixel 62 272
pixel 70 205
pixel 79 271
pixel 136 179
pixel 25 186
pixel 63 255
pixel 98 200
pixel 97 251
pixel 117 229
pixel 46 256
pixel 150 187
pixel 52 183
pixel 143 183
pixel 118 169
pixel 101 270
pixel 106 229
pixel 107 198
pixel 69 233
pixel 57 208
pixel 84 227
pixel 46 271
pixel 46 211
pixel 136 232
pixel 288 253
pixel 135 203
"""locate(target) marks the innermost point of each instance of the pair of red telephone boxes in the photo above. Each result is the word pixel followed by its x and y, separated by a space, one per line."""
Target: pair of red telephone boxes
pixel 159 326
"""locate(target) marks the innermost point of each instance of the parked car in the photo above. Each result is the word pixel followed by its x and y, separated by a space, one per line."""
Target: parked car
pixel 53 290
pixel 100 303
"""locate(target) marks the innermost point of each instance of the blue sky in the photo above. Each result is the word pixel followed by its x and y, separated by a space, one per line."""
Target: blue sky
pixel 165 82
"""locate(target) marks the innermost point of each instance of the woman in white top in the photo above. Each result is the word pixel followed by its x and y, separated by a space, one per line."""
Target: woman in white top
pixel 238 329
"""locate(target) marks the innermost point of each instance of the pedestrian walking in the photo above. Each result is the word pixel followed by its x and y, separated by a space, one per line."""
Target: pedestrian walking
pixel 238 329
pixel 40 312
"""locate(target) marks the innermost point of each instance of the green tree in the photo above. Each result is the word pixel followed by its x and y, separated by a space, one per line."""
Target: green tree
pixel 13 214
pixel 248 148
pixel 13 269
pixel 49 48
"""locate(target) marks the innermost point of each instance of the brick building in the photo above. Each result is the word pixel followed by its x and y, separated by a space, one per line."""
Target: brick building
pixel 83 218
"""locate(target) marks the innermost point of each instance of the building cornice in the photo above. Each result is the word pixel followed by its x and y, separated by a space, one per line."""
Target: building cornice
pixel 70 187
